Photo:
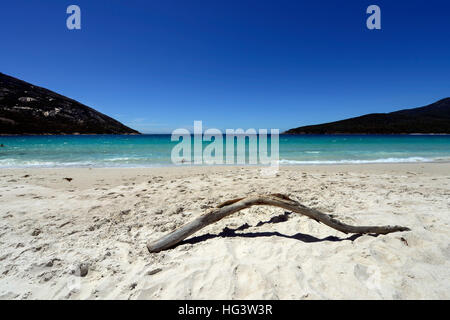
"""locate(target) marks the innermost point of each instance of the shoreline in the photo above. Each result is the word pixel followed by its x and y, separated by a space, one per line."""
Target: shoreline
pixel 295 163
pixel 183 170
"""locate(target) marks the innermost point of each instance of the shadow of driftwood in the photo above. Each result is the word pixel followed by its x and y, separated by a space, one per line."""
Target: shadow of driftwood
pixel 231 233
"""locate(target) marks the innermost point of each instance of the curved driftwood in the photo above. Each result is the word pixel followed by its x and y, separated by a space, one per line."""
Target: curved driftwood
pixel 277 200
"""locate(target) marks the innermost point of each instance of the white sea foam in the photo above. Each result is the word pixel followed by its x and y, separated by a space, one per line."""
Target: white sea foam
pixel 383 160
pixel 15 163
pixel 103 163
pixel 141 163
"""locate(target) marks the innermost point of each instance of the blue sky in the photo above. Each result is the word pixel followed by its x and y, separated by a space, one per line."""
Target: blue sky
pixel 160 65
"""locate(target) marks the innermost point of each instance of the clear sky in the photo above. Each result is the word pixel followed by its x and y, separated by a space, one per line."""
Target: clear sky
pixel 160 65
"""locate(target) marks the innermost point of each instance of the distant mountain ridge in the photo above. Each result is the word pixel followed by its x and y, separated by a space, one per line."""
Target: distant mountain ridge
pixel 29 109
pixel 433 118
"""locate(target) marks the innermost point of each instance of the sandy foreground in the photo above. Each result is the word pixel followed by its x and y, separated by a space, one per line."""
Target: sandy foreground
pixel 51 230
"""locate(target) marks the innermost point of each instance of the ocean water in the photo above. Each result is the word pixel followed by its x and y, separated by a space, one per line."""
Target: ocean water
pixel 155 150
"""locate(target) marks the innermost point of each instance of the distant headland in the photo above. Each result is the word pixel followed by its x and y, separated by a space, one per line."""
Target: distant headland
pixel 430 119
pixel 29 109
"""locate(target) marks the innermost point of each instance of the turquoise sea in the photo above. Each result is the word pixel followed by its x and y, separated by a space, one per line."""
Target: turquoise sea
pixel 155 150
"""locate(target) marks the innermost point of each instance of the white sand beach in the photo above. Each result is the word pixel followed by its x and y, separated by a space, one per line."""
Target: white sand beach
pixel 103 218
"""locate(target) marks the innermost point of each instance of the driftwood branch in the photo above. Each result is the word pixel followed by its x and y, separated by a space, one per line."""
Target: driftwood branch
pixel 277 200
